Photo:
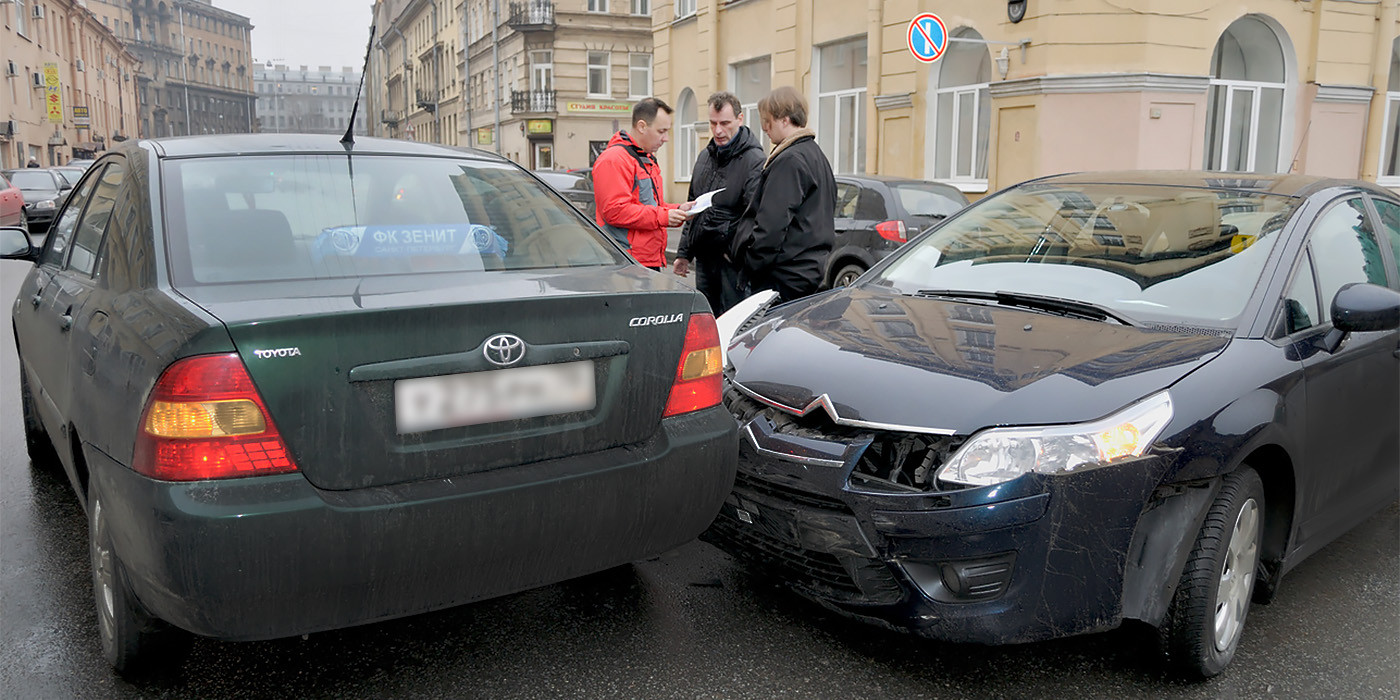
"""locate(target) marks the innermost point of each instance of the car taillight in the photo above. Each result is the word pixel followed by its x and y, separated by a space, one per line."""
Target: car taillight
pixel 205 420
pixel 892 230
pixel 698 384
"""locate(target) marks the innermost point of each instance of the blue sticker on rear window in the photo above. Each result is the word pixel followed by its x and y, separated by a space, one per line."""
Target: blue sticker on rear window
pixel 406 241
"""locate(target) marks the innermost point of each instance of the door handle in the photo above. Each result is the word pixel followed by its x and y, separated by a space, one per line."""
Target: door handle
pixel 35 299
pixel 65 322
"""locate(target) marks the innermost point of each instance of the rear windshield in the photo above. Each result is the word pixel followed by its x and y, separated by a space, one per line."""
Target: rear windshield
pixel 321 217
pixel 929 200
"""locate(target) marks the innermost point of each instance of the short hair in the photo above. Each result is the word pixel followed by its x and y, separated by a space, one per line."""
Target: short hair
pixel 646 109
pixel 787 102
pixel 718 100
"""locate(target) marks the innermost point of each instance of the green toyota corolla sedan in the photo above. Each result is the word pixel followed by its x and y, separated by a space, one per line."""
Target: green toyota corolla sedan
pixel 301 385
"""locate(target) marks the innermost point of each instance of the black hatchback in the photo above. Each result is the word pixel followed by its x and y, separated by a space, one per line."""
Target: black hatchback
pixel 1087 399
pixel 876 215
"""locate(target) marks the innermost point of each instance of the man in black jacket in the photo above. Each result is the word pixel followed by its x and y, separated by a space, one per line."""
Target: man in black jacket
pixel 732 161
pixel 788 230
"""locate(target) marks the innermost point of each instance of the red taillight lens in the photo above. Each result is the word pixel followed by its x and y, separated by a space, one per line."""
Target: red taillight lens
pixel 205 420
pixel 892 230
pixel 698 384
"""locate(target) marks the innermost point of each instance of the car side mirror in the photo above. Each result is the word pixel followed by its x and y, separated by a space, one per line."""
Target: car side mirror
pixel 14 244
pixel 1360 308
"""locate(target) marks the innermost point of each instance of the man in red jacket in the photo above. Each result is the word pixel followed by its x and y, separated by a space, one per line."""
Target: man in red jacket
pixel 627 185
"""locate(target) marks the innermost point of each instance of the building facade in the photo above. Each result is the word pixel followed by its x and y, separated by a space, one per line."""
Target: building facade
pixel 1306 86
pixel 70 86
pixel 545 83
pixel 307 101
pixel 196 72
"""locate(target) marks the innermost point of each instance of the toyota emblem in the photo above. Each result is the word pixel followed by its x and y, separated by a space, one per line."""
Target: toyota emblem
pixel 504 349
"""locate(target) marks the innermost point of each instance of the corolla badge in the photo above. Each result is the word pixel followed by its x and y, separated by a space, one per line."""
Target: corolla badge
pixel 655 320
pixel 503 349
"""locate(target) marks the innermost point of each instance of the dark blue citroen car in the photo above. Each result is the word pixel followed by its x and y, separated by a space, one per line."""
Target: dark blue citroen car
pixel 1087 399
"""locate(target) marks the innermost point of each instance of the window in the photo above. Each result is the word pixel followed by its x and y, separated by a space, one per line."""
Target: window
pixel 840 118
pixel 88 240
pixel 687 135
pixel 56 246
pixel 1244 126
pixel 597 5
pixel 684 8
pixel 21 17
pixel 751 81
pixel 1345 250
pixel 1300 310
pixel 1390 221
pixel 599 82
pixel 1389 173
pixel 639 76
pixel 541 70
pixel 641 7
pixel 961 114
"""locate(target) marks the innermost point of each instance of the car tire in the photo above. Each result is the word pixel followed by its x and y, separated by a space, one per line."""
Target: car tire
pixel 41 451
pixel 1206 617
pixel 127 633
pixel 847 274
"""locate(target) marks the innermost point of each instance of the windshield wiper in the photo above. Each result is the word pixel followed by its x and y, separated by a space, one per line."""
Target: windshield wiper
pixel 1035 302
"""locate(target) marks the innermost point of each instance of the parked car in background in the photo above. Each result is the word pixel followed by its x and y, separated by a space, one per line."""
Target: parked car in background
pixel 11 205
pixel 365 381
pixel 876 214
pixel 82 163
pixel 70 174
pixel 43 192
pixel 1087 399
pixel 575 185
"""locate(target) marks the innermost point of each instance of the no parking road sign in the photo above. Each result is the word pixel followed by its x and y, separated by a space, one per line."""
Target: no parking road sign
pixel 928 37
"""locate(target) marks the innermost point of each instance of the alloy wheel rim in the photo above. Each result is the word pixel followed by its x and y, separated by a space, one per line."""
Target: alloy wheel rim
pixel 1237 576
pixel 102 563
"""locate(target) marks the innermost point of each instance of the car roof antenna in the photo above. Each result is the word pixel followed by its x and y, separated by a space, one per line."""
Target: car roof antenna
pixel 349 138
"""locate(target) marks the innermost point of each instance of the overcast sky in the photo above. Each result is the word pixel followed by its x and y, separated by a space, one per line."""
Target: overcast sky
pixel 306 32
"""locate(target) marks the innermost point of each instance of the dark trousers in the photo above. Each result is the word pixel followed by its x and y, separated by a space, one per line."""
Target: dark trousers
pixel 718 281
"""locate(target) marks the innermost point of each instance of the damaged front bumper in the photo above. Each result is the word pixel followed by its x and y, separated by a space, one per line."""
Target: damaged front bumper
pixel 1034 558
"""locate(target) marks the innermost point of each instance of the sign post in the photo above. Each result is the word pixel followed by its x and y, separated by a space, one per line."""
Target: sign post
pixel 928 37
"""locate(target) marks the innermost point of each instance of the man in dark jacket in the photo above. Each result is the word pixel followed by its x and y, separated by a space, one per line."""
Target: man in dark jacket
pixel 788 230
pixel 731 162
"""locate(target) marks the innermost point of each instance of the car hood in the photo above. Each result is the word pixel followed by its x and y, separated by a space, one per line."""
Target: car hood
pixel 877 357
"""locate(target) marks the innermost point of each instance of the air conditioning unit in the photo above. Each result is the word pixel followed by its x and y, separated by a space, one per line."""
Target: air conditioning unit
pixel 11 69
pixel 7 128
pixel 79 65
pixel 38 12
pixel 38 79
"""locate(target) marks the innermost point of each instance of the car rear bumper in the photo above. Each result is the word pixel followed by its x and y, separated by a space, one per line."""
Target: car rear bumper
pixel 270 557
pixel 1035 558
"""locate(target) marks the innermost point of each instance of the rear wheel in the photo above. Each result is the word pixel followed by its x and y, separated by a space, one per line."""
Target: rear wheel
pixel 1207 614
pixel 36 441
pixel 847 274
pixel 127 633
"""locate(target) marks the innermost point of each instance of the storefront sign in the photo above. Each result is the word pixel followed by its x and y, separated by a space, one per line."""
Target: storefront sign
pixel 53 101
pixel 586 107
pixel 80 117
pixel 539 126
pixel 485 136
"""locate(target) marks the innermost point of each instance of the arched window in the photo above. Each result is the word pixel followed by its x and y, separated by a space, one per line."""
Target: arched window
pixel 1248 82
pixel 960 112
pixel 687 135
pixel 1389 173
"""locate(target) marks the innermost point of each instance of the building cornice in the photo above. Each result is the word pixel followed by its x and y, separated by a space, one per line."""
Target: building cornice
pixel 1100 83
pixel 894 100
pixel 1355 94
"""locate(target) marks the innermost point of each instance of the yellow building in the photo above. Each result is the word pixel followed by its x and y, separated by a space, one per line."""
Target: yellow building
pixel 70 84
pixel 414 86
pixel 1306 86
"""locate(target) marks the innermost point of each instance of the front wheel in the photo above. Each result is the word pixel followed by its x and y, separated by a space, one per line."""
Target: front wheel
pixel 847 274
pixel 1207 614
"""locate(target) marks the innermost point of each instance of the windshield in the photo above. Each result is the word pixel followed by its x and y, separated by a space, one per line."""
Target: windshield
pixel 1149 253
pixel 70 176
pixel 924 199
pixel 33 180
pixel 319 217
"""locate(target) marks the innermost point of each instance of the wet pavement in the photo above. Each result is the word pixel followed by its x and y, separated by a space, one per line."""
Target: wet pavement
pixel 690 624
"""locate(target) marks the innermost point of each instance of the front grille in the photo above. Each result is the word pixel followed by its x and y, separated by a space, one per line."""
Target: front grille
pixel 788 494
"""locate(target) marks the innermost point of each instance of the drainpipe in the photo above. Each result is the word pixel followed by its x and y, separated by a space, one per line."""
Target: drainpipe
pixel 248 97
pixel 403 44
pixel 184 66
pixel 437 77
pixel 496 69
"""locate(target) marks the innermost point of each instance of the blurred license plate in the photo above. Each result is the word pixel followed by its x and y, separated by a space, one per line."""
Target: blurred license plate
pixel 473 398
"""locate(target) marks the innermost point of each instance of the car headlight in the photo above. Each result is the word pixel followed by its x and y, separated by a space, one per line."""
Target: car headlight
pixel 45 204
pixel 1002 454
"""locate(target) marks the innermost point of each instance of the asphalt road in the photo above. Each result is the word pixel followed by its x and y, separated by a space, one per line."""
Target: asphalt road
pixel 690 624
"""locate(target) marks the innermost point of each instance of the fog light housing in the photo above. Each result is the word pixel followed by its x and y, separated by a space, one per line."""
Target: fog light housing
pixel 964 581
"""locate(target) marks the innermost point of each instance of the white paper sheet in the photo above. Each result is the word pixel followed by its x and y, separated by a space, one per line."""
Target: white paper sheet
pixel 703 202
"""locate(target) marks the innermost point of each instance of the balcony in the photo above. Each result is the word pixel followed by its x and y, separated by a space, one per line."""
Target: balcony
pixel 531 101
pixel 532 16
pixel 426 101
pixel 389 117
